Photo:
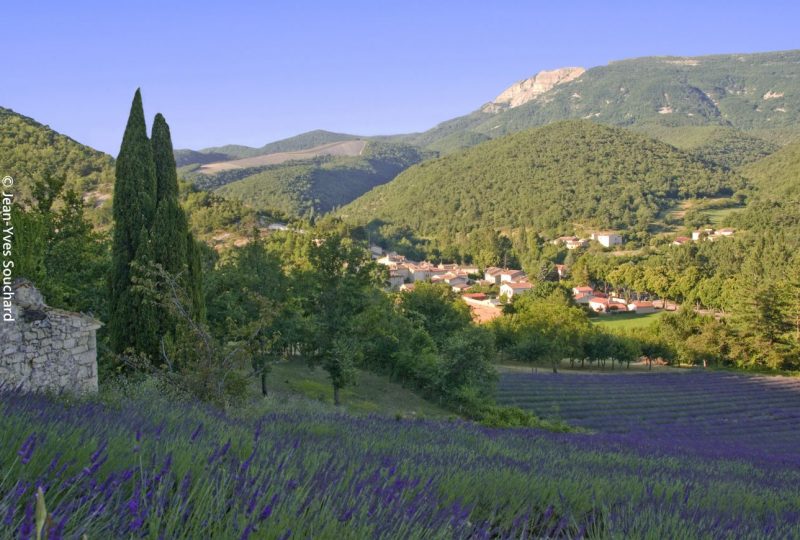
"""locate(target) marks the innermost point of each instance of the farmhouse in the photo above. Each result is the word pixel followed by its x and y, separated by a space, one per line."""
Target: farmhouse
pixel 607 238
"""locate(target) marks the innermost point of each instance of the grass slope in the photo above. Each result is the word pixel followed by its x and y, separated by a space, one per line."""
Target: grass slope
pixel 370 393
pixel 548 178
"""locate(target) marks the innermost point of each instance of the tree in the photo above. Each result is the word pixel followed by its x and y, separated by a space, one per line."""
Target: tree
pixel 172 244
pixel 133 211
pixel 340 278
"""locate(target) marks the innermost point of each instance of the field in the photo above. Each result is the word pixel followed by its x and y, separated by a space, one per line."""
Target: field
pixel 716 216
pixel 674 456
pixel 627 320
pixel 341 148
pixel 712 414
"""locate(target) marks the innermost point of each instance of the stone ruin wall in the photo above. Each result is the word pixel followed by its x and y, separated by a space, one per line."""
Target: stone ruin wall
pixel 46 349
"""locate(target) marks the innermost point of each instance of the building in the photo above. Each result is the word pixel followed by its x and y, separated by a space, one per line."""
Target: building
pixel 396 279
pixel 606 305
pixel 642 307
pixel 681 240
pixel 510 289
pixel 492 274
pixel 607 238
pixel 512 276
pixel 584 289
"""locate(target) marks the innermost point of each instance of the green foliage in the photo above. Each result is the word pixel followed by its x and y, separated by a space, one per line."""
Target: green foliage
pixel 134 209
pixel 308 188
pixel 547 179
pixel 30 151
pixel 733 149
pixel 56 247
pixel 436 308
pixel 777 176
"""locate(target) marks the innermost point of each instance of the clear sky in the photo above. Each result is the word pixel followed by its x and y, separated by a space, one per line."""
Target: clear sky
pixel 253 72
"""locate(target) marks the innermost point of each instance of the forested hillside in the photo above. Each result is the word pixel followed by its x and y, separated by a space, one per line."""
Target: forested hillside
pixel 550 179
pixel 30 150
pixel 777 175
pixel 305 188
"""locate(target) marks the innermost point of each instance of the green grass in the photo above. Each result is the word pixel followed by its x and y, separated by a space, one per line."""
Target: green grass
pixel 627 320
pixel 718 215
pixel 371 393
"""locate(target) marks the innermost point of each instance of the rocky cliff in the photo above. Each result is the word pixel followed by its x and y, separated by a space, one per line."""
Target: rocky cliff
pixel 530 89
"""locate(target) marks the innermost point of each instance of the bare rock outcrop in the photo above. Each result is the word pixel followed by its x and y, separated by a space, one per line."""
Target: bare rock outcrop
pixel 530 89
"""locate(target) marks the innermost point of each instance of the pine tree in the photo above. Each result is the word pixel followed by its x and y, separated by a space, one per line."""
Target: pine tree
pixel 133 212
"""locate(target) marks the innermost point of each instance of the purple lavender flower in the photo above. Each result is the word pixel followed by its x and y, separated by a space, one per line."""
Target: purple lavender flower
pixel 26 450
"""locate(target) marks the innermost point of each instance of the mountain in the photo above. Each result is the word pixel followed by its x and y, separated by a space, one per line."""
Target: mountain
pixel 565 175
pixel 757 93
pixel 303 141
pixel 313 186
pixel 29 150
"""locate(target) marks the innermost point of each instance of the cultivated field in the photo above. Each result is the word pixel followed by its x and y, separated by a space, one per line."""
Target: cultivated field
pixel 341 148
pixel 699 413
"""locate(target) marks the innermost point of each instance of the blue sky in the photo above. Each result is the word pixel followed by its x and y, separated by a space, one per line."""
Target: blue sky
pixel 253 72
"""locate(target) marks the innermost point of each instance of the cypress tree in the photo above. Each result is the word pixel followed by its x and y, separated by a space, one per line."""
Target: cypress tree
pixel 170 226
pixel 133 212
pixel 173 246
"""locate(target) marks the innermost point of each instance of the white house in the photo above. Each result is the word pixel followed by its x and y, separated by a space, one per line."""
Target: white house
pixel 493 274
pixel 584 289
pixel 607 238
pixel 510 289
pixel 511 275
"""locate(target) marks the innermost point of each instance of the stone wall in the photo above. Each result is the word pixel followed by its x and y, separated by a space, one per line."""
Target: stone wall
pixel 47 349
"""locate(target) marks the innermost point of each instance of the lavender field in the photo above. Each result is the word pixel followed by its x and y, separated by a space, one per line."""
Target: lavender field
pixel 147 467
pixel 709 414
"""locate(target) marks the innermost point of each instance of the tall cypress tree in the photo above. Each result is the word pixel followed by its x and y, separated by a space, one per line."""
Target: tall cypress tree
pixel 173 245
pixel 133 211
pixel 170 226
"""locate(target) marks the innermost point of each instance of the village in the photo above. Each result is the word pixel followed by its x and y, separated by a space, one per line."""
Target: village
pixel 487 290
